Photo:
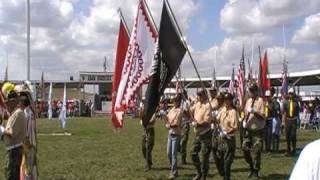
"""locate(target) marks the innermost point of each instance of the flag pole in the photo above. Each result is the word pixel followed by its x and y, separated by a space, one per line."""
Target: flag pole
pixel 124 21
pixel 187 48
pixel 28 40
pixel 149 14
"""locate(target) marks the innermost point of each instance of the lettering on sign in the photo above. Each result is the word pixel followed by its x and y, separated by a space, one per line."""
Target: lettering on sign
pixel 96 78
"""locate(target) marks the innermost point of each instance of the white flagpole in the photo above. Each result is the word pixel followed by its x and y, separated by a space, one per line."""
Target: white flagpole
pixel 50 102
pixel 28 40
pixel 63 113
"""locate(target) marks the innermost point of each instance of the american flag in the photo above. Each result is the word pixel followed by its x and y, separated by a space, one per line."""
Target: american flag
pixel 284 86
pixel 241 80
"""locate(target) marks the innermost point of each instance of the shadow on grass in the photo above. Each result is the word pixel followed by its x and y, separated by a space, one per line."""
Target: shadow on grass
pixel 275 177
pixel 192 175
pixel 160 168
pixel 168 169
pixel 240 170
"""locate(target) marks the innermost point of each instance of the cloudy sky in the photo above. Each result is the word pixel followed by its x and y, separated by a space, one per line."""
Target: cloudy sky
pixel 68 36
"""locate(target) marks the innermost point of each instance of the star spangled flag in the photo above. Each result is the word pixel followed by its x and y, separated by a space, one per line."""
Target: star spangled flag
pixel 63 112
pixel 123 41
pixel 138 62
pixel 231 83
pixel 241 80
pixel 50 102
pixel 284 81
pixel 168 58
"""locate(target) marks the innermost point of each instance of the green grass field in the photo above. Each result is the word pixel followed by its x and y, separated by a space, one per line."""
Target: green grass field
pixel 95 151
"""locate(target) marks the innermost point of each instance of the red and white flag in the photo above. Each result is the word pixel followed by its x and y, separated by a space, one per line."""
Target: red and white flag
pixel 123 41
pixel 138 62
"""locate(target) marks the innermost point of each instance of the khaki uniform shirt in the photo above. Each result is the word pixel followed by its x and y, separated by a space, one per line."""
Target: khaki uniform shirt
pixel 16 126
pixel 229 120
pixel 255 122
pixel 202 114
pixel 214 104
pixel 174 120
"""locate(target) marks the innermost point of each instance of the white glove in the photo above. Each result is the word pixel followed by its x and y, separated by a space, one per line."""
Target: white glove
pixel 244 124
pixel 162 113
pixel 1 130
pixel 212 126
pixel 251 110
pixel 194 124
pixel 168 126
pixel 223 134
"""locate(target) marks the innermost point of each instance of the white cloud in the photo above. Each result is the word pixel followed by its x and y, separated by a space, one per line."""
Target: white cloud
pixel 248 16
pixel 309 32
pixel 65 41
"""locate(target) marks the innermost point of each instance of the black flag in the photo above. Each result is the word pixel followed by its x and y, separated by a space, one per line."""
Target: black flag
pixel 168 57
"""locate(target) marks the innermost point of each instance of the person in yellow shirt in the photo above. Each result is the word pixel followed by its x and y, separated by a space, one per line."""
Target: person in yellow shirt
pixel 291 111
pixel 173 123
pixel 202 115
pixel 254 124
pixel 228 119
pixel 269 110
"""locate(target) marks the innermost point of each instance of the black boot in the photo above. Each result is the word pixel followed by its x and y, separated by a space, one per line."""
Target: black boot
pixel 198 176
pixel 204 177
pixel 256 174
pixel 183 160
pixel 147 167
pixel 251 173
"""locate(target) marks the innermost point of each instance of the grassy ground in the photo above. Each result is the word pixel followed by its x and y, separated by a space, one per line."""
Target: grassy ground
pixel 95 151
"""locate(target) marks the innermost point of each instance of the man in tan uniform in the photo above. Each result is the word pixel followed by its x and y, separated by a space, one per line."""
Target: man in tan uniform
pixel 253 123
pixel 216 132
pixel 185 127
pixel 14 135
pixel 173 123
pixel 228 119
pixel 202 115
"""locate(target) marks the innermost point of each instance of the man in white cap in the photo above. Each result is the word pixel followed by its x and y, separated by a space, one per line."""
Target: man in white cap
pixel 291 111
pixel 13 135
pixel 269 114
